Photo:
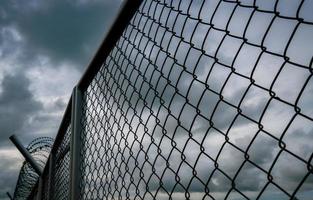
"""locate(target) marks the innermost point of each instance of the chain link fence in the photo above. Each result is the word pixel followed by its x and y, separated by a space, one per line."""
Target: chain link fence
pixel 197 100
pixel 202 100
pixel 62 169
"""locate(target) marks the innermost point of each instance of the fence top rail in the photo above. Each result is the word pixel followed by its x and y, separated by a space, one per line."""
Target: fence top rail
pixel 125 14
pixel 127 10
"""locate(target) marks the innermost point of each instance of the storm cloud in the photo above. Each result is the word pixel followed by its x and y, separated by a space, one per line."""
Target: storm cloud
pixel 186 112
pixel 44 49
pixel 62 30
pixel 17 105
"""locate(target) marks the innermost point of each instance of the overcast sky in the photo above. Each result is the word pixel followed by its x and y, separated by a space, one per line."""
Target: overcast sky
pixel 44 48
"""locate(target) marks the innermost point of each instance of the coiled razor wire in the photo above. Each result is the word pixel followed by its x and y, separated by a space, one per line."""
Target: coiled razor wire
pixel 206 99
pixel 27 179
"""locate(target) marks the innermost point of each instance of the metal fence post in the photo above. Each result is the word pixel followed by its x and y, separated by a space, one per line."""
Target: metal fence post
pixel 51 175
pixel 75 174
pixel 28 157
pixel 40 189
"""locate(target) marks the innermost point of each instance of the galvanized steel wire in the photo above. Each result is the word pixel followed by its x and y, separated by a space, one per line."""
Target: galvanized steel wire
pixel 190 96
pixel 200 100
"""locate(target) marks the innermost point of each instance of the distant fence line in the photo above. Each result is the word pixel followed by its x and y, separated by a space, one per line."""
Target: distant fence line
pixel 191 100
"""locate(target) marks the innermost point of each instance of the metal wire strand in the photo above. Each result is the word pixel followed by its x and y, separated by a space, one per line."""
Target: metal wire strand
pixel 193 103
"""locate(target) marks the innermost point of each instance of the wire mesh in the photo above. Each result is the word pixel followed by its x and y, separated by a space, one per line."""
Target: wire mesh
pixel 203 100
pixel 45 185
pixel 197 100
pixel 62 168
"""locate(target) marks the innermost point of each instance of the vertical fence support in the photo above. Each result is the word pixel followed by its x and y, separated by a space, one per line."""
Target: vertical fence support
pixel 75 143
pixel 51 175
pixel 40 189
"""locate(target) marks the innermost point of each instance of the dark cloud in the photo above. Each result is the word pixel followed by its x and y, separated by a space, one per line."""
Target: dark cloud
pixel 17 104
pixel 62 30
pixel 8 173
pixel 42 44
pixel 8 42
pixel 68 31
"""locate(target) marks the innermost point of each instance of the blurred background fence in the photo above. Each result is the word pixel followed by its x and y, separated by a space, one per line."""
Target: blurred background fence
pixel 191 100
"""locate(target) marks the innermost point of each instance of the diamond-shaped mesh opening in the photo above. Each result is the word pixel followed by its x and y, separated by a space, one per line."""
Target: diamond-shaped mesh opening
pixel 202 100
pixel 208 99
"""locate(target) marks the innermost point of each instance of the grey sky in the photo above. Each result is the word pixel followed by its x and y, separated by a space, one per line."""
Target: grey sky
pixel 44 48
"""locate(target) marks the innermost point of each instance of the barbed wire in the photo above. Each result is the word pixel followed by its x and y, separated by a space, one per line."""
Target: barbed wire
pixel 27 179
